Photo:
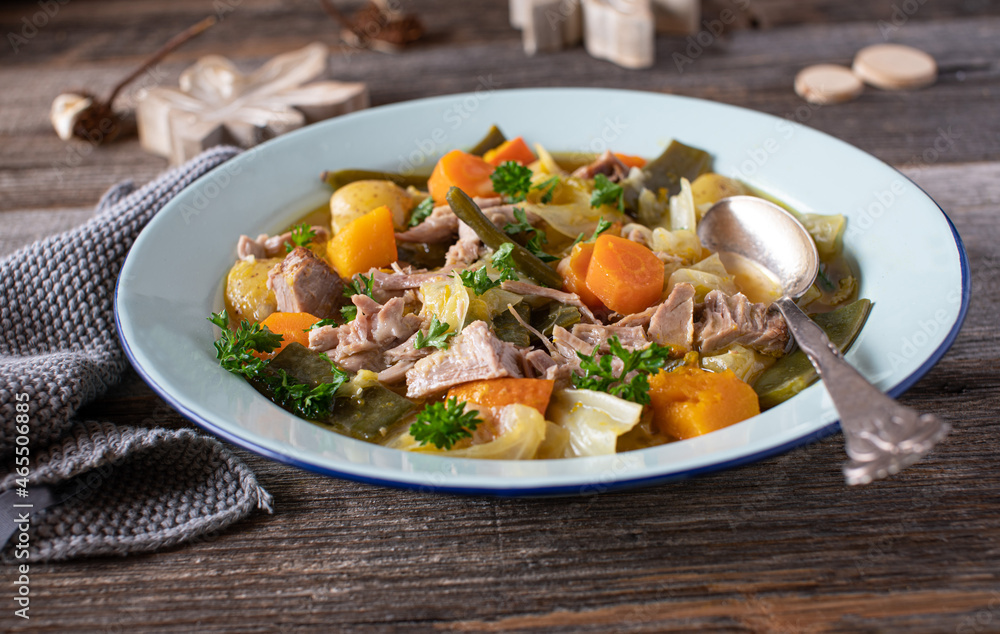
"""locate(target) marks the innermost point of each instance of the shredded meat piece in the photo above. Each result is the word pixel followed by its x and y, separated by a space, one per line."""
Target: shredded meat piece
pixel 366 341
pixel 538 362
pixel 442 224
pixel 607 164
pixel 303 283
pixel 466 250
pixel 725 320
pixel 265 246
pixel 473 354
pixel 567 344
pixel 396 373
pixel 631 337
pixel 323 338
pixel 672 324
pixel 572 299
pixel 386 285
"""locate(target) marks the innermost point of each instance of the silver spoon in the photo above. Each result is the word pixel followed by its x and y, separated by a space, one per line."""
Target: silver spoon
pixel 881 436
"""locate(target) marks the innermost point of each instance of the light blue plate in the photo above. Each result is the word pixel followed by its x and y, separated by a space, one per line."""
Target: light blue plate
pixel 912 263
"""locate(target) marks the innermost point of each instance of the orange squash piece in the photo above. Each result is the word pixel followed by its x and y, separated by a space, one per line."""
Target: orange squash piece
pixel 364 243
pixel 465 171
pixel 494 394
pixel 513 150
pixel 689 401
pixel 625 275
pixel 574 273
pixel 292 327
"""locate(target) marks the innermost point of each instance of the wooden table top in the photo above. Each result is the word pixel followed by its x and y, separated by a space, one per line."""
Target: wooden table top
pixel 781 545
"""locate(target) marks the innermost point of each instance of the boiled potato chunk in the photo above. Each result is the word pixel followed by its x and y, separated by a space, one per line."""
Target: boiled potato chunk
pixel 358 198
pixel 247 295
pixel 710 188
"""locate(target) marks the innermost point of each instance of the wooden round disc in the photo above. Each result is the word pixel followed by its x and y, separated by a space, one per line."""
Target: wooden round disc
pixel 827 83
pixel 895 67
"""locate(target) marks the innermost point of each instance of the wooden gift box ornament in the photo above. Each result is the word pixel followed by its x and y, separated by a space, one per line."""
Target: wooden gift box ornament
pixel 217 104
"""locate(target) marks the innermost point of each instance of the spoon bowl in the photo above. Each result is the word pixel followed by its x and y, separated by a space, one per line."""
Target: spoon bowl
pixel 766 234
pixel 881 436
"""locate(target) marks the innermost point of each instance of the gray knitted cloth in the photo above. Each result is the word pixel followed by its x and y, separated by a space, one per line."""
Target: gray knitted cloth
pixel 124 489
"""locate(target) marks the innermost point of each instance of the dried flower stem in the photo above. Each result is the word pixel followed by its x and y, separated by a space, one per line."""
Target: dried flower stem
pixel 173 44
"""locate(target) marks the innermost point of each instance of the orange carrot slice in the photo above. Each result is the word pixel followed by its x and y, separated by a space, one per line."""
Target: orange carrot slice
pixel 291 326
pixel 514 150
pixel 465 171
pixel 625 275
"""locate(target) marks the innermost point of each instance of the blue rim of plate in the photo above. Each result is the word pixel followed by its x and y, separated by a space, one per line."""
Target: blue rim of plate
pixel 570 489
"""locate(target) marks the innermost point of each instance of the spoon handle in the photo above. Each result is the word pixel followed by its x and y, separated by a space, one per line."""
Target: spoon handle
pixel 881 436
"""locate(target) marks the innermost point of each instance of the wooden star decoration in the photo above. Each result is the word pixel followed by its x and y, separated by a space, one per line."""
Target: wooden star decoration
pixel 217 104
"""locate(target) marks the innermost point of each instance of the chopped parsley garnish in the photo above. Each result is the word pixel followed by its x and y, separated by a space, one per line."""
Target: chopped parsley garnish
pixel 502 262
pixel 234 349
pixel 479 280
pixel 602 226
pixel 421 211
pixel 512 180
pixel 535 238
pixel 308 402
pixel 521 226
pixel 599 374
pixel 356 287
pixel 607 193
pixel 437 336
pixel 549 185
pixel 302 235
pixel 444 424
pixel 320 324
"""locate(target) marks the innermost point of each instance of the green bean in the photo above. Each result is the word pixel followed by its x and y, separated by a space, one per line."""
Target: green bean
pixel 340 178
pixel 794 373
pixel 492 139
pixel 492 236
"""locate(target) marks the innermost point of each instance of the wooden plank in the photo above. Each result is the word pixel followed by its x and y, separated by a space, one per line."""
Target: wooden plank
pixel 778 545
pixel 752 68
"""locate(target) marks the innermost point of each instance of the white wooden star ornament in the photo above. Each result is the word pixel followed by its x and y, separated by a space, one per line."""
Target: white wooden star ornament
pixel 217 104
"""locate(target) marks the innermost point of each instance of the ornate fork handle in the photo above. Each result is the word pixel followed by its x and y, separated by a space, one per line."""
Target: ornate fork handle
pixel 881 436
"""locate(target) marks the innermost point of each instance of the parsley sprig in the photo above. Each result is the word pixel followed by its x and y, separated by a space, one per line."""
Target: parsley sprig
pixel 304 400
pixel 421 211
pixel 362 286
pixel 602 226
pixel 319 324
pixel 437 335
pixel 535 238
pixel 549 185
pixel 606 193
pixel 502 261
pixel 234 348
pixel 444 424
pixel 512 180
pixel 479 280
pixel 599 374
pixel 302 235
